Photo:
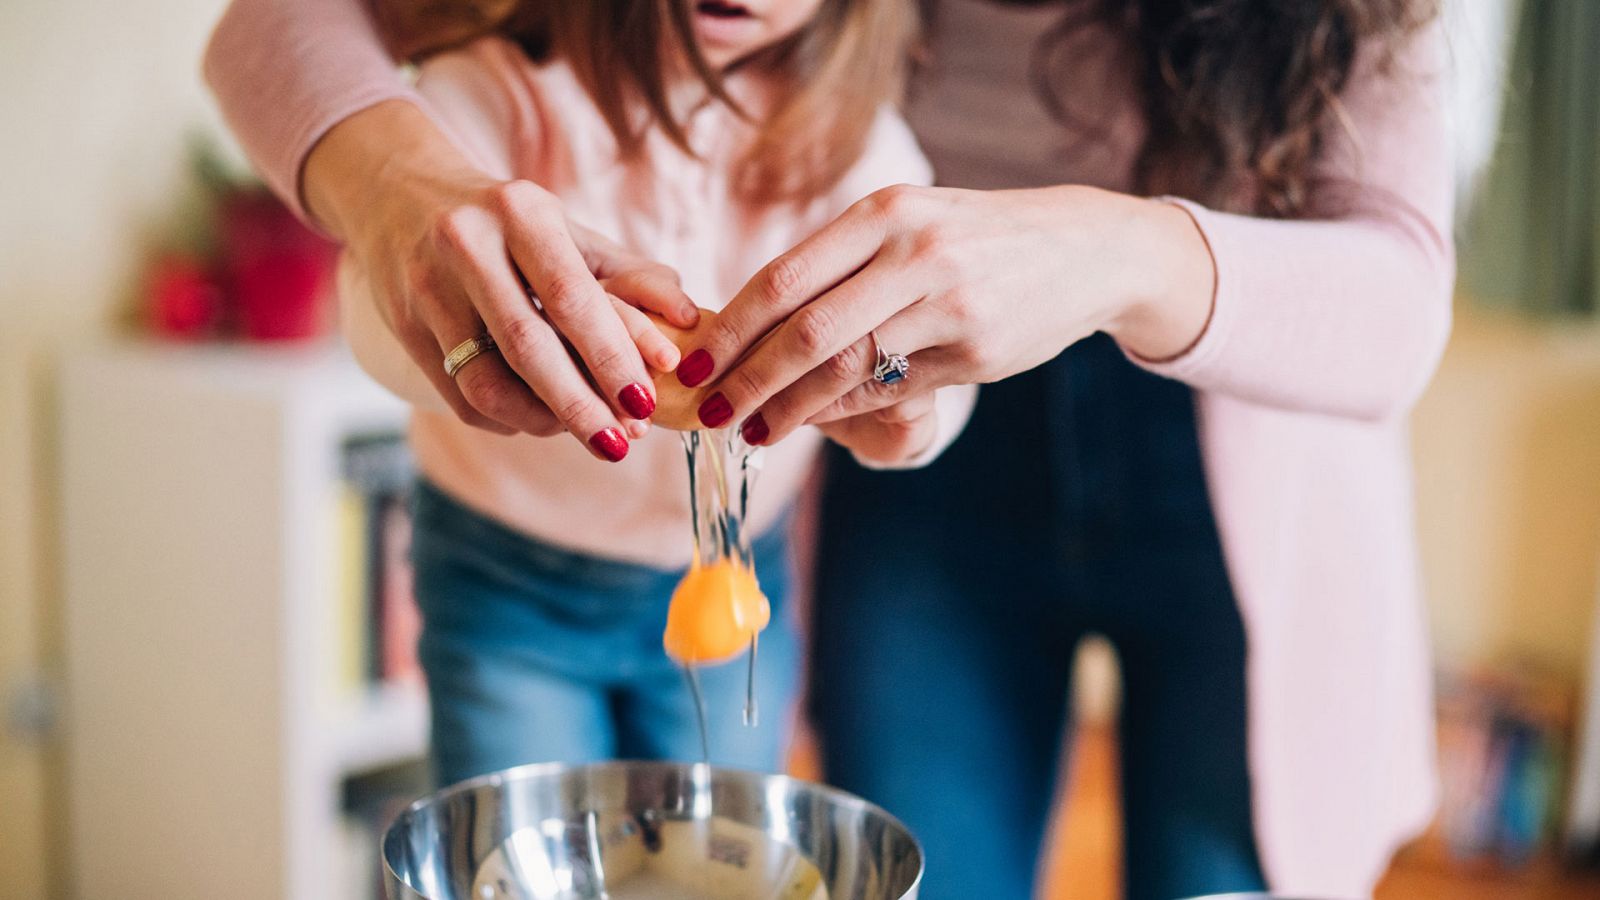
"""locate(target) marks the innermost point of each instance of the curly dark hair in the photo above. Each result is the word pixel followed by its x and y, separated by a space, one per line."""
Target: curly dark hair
pixel 1239 94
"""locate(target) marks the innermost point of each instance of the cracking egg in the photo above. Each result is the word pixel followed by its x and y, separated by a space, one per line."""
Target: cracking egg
pixel 716 611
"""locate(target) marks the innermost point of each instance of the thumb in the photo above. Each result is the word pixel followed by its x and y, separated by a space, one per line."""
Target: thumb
pixel 654 288
pixel 634 278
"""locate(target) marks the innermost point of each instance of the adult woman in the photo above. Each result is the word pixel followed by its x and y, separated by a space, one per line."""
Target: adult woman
pixel 1078 498
pixel 1306 340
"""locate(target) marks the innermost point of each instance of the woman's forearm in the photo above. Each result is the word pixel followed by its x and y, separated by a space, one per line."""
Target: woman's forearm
pixel 352 169
pixel 284 72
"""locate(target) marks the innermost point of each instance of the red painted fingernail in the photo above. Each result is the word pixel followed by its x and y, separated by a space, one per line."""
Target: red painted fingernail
pixel 636 400
pixel 695 368
pixel 716 411
pixel 610 443
pixel 754 430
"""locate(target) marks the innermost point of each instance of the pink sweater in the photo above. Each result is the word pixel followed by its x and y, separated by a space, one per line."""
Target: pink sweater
pixel 1324 333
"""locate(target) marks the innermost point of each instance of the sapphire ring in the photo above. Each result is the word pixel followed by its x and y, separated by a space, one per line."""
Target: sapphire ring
pixel 891 367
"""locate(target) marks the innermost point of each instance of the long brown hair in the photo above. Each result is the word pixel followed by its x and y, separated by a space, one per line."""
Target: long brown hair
pixel 1239 95
pixel 830 77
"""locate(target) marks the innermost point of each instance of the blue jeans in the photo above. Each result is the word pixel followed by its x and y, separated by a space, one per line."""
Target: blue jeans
pixel 534 653
pixel 950 602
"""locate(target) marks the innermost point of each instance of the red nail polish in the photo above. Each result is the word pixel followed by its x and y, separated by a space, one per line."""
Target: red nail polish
pixel 636 401
pixel 695 368
pixel 610 444
pixel 754 430
pixel 716 411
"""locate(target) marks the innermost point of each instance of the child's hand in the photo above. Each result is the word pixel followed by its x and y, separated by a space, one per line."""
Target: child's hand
pixel 890 436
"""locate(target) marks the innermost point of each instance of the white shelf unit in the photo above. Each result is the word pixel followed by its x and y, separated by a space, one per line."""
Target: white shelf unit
pixel 207 734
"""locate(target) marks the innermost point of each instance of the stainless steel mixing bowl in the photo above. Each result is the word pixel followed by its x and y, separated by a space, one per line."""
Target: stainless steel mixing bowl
pixel 656 830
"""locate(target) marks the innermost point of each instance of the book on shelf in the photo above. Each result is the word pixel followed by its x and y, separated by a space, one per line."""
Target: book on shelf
pixel 378 618
pixel 1504 739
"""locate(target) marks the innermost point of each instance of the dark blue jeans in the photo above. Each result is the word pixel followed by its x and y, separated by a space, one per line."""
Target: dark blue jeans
pixel 534 653
pixel 950 602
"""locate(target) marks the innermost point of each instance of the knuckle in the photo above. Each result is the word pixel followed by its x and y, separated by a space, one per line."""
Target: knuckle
pixel 779 411
pixel 572 410
pixel 607 357
pixel 850 404
pixel 745 384
pixel 721 337
pixel 877 394
pixel 525 340
pixel 934 246
pixel 565 292
pixel 895 201
pixel 452 231
pixel 961 310
pixel 814 328
pixel 847 366
pixel 513 200
pixel 783 277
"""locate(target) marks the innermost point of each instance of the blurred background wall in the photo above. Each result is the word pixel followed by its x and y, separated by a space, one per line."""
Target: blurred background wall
pixel 1508 490
pixel 97 100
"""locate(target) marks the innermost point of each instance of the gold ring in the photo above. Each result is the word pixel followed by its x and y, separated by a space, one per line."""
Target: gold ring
pixel 466 352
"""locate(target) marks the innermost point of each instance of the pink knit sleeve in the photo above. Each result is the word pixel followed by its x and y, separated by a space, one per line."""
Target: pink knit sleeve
pixel 1346 311
pixel 286 71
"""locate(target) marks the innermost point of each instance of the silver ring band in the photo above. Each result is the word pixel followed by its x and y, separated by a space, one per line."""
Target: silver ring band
pixel 891 367
pixel 466 352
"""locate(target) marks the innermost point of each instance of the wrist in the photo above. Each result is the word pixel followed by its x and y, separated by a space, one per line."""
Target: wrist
pixel 1169 306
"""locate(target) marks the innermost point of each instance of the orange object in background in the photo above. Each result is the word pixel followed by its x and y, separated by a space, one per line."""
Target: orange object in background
pixel 716 611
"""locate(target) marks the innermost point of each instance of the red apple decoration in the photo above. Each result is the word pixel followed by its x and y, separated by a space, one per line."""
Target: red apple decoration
pixel 183 300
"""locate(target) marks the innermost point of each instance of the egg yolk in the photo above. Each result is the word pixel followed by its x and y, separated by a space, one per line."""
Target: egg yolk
pixel 716 611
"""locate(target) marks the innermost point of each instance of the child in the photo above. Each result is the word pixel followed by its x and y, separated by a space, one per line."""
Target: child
pixel 544 575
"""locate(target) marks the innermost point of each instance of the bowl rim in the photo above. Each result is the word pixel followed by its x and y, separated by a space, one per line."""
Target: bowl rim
pixel 542 769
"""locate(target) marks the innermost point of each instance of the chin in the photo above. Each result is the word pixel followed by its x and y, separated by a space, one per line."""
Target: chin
pixel 719 58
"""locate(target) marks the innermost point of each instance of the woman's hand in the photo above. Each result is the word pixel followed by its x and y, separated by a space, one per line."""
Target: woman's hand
pixel 972 286
pixel 453 253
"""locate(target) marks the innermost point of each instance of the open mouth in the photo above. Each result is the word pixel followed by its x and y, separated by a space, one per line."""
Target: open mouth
pixel 722 9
